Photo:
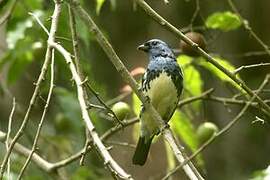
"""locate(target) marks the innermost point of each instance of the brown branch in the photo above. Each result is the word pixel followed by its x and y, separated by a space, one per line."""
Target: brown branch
pixel 104 137
pixel 222 131
pixel 104 43
pixel 41 77
pixel 159 19
pixel 248 28
pixel 10 119
pixel 53 167
pixel 34 146
pixel 108 160
pixel 236 71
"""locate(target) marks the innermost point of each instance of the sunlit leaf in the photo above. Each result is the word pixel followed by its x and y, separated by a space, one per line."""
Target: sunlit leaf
pixel 136 106
pixel 222 76
pixel 19 32
pixel 224 21
pixel 262 174
pixel 18 66
pixel 192 78
pixel 183 128
pixel 99 4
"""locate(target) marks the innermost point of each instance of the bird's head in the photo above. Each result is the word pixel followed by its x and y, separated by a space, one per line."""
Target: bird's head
pixel 155 47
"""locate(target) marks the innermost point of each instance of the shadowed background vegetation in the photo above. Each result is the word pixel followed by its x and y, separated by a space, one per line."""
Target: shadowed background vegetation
pixel 236 155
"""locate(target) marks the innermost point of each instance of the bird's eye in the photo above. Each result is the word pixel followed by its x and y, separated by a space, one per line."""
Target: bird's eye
pixel 154 43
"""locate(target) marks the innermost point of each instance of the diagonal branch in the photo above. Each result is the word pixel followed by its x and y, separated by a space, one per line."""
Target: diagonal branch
pixel 41 77
pixel 159 19
pixel 108 160
pixel 53 167
pixel 120 67
pixel 248 28
pixel 34 146
pixel 222 131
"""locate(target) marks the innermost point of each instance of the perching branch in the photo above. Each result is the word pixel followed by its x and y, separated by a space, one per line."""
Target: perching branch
pixel 41 77
pixel 222 131
pixel 104 43
pixel 195 46
pixel 108 160
pixel 34 146
pixel 52 167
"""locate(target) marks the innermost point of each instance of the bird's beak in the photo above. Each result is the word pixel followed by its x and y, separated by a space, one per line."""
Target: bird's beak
pixel 143 47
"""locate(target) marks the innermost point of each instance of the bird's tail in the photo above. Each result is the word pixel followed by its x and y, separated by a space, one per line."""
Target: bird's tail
pixel 142 151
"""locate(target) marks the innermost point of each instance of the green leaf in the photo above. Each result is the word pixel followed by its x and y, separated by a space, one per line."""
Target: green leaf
pixel 183 128
pixel 261 174
pixel 18 66
pixel 99 4
pixel 192 79
pixel 19 31
pixel 83 173
pixel 222 76
pixel 224 21
pixel 69 105
pixel 136 106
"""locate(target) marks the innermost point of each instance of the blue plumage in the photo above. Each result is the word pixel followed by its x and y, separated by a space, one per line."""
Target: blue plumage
pixel 163 84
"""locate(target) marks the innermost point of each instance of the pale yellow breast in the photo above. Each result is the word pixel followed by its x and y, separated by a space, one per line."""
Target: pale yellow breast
pixel 163 96
pixel 163 93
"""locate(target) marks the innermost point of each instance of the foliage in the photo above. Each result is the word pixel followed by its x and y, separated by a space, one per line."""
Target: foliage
pixel 224 21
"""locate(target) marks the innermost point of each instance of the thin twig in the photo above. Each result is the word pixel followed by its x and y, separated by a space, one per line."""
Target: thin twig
pixel 125 144
pixel 39 22
pixel 20 149
pixel 222 131
pixel 104 137
pixel 8 133
pixel 103 103
pixel 248 28
pixel 120 67
pixel 159 19
pixel 195 98
pixel 197 10
pixel 34 146
pixel 86 144
pixel 236 71
pixel 41 77
pixel 52 167
pixel 74 36
pixel 207 95
pixel 108 160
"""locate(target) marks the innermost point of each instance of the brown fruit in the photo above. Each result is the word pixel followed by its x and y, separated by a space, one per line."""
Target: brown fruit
pixel 195 37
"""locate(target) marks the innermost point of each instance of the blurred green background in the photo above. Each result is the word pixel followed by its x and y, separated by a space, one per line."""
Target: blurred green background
pixel 235 156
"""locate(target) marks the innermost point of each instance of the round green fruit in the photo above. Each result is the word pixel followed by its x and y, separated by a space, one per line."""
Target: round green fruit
pixel 121 110
pixel 205 131
pixel 195 37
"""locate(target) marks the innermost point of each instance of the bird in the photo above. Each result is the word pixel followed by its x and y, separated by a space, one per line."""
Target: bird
pixel 162 83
